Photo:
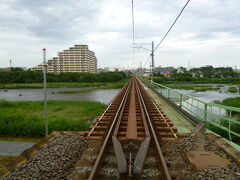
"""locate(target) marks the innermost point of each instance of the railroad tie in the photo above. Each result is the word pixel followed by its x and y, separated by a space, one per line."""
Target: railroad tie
pixel 132 121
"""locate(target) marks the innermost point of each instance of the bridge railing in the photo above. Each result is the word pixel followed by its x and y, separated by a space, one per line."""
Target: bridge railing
pixel 223 120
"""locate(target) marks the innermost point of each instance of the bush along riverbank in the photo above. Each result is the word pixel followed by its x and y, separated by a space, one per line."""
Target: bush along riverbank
pixel 232 90
pixel 116 85
pixel 11 77
pixel 196 80
pixel 25 118
pixel 233 102
pixel 196 88
pixel 107 85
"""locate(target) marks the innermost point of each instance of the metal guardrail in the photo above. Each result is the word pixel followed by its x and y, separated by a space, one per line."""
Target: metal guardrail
pixel 220 116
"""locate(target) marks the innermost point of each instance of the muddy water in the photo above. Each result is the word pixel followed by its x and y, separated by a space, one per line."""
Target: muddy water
pixel 101 95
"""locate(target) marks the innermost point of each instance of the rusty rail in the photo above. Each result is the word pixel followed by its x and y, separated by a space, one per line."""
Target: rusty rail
pixel 118 127
pixel 163 164
pixel 100 156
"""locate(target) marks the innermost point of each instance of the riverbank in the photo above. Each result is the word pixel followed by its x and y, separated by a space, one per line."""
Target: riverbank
pixel 109 85
pixel 117 85
pixel 195 87
pixel 195 80
pixel 25 118
pixel 233 102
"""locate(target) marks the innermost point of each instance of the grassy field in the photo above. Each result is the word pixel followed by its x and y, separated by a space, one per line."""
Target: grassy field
pixel 116 85
pixel 196 88
pixel 203 89
pixel 232 90
pixel 25 118
pixel 234 102
pixel 19 139
pixel 191 80
pixel 109 85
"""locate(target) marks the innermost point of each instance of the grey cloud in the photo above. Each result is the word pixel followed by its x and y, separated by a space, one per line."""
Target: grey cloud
pixel 58 24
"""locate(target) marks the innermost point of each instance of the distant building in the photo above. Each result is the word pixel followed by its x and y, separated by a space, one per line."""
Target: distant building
pixel 75 59
pixel 5 69
pixel 13 69
pixel 163 70
pixel 181 69
pixel 106 69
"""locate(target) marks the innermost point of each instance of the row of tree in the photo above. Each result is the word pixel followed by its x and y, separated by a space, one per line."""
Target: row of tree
pixel 210 71
pixel 37 77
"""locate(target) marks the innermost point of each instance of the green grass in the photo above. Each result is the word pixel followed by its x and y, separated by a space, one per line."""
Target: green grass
pixel 36 140
pixel 232 90
pixel 4 160
pixel 178 86
pixel 234 127
pixel 55 85
pixel 203 89
pixel 172 80
pixel 186 86
pixel 25 118
pixel 116 85
pixel 234 102
pixel 196 88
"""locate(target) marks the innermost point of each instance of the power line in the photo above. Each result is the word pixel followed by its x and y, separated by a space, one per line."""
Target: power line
pixel 139 46
pixel 133 31
pixel 147 60
pixel 171 26
pixel 168 30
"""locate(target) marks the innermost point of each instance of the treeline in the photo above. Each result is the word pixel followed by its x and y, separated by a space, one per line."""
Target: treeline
pixel 216 72
pixel 196 80
pixel 37 77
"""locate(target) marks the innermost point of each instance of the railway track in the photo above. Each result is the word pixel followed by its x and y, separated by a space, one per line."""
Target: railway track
pixel 132 139
pixel 125 139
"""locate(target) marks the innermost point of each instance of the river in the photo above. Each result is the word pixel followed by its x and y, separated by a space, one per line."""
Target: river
pixel 211 96
pixel 104 95
pixel 101 95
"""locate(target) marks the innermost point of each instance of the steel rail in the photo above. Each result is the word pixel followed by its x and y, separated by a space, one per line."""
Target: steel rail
pixel 109 105
pixel 163 165
pixel 175 135
pixel 142 152
pixel 89 134
pixel 121 160
pixel 100 155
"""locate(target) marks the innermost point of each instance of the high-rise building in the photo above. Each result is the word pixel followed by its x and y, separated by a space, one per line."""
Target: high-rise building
pixel 75 59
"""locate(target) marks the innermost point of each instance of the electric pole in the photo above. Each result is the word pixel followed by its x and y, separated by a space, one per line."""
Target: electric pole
pixel 45 91
pixel 152 65
pixel 10 62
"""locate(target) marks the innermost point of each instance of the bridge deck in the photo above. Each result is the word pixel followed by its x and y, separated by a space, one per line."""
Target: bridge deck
pixel 180 122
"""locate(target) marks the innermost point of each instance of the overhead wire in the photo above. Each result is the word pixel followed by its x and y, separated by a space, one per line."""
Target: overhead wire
pixel 147 60
pixel 171 26
pixel 133 32
pixel 169 29
pixel 139 46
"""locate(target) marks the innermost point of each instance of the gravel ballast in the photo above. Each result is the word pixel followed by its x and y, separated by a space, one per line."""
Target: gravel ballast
pixel 54 161
pixel 184 144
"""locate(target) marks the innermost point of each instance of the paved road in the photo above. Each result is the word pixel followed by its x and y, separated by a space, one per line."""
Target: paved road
pixel 11 148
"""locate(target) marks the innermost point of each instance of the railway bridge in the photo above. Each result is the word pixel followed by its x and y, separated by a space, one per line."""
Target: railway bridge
pixel 148 131
pixel 144 134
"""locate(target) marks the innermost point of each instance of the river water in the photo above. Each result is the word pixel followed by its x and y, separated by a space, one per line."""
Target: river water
pixel 101 95
pixel 211 96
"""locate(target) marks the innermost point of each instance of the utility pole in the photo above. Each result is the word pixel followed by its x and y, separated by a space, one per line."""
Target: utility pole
pixel 152 65
pixel 10 62
pixel 45 90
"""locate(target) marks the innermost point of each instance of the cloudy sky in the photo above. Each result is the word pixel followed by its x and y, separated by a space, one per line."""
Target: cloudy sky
pixel 207 33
